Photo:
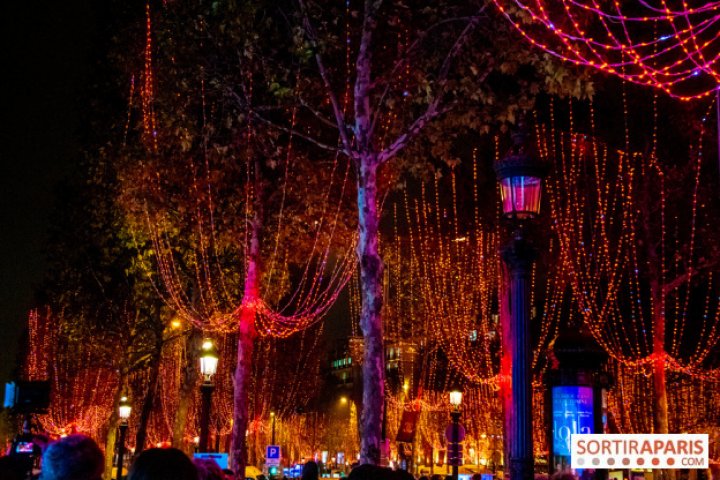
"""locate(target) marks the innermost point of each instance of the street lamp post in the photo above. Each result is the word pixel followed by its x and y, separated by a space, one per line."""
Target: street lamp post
pixel 520 177
pixel 124 409
pixel 208 367
pixel 455 437
pixel 272 440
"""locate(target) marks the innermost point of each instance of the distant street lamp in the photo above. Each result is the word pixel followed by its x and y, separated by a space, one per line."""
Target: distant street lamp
pixel 124 410
pixel 208 367
pixel 456 435
pixel 520 177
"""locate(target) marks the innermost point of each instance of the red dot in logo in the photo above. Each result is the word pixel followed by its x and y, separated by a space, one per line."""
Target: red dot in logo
pixel 656 461
pixel 626 461
pixel 671 461
pixel 611 461
pixel 641 461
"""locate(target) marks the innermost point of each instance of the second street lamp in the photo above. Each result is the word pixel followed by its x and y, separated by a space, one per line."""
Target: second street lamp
pixel 455 434
pixel 208 367
pixel 124 409
pixel 520 177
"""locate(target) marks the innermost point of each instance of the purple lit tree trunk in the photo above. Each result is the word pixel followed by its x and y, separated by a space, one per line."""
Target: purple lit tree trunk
pixel 371 274
pixel 247 333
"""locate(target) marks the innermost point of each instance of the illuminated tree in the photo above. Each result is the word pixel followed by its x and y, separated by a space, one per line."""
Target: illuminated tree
pixel 635 235
pixel 384 74
pixel 105 312
pixel 243 233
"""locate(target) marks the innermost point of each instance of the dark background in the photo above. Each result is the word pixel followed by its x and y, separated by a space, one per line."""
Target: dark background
pixel 50 57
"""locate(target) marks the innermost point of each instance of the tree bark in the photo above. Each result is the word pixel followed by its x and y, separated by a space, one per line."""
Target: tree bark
pixel 149 400
pixel 246 336
pixel 662 424
pixel 371 274
pixel 190 373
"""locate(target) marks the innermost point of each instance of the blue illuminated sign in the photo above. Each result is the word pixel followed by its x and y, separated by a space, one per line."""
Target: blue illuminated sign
pixel 572 412
pixel 220 458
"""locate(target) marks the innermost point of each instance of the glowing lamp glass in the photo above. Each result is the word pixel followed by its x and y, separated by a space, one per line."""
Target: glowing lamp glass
pixel 208 359
pixel 124 408
pixel 521 196
pixel 455 398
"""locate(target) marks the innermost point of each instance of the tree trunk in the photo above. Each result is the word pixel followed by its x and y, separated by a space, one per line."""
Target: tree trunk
pixel 659 380
pixel 371 274
pixel 246 337
pixel 661 422
pixel 149 400
pixel 190 373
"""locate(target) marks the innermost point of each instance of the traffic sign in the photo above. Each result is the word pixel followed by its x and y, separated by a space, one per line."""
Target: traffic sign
pixel 272 455
pixel 449 433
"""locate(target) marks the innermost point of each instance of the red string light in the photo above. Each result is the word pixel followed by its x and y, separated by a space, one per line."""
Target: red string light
pixel 674 49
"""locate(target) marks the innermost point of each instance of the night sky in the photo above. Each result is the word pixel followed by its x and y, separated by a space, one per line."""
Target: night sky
pixel 49 59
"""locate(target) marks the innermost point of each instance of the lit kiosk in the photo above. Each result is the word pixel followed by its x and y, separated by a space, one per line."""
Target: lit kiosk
pixel 576 395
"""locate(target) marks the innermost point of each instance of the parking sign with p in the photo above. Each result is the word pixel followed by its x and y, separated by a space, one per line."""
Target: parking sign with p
pixel 272 455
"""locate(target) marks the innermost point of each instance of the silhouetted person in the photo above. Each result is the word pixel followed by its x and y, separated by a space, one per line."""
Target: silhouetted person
pixel 163 464
pixel 370 472
pixel 402 475
pixel 75 457
pixel 12 468
pixel 310 471
pixel 208 469
pixel 563 475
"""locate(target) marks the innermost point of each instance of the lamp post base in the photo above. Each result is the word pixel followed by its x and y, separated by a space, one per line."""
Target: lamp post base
pixel 206 390
pixel 121 449
pixel 522 469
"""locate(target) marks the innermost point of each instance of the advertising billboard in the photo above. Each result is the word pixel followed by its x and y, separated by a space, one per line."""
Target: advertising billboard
pixel 572 412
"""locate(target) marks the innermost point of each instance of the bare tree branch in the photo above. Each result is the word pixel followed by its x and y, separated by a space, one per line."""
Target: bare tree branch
pixel 433 109
pixel 688 275
pixel 253 112
pixel 402 61
pixel 294 132
pixel 337 110
pixel 317 113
